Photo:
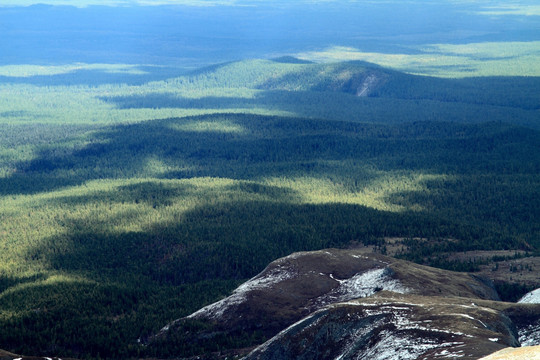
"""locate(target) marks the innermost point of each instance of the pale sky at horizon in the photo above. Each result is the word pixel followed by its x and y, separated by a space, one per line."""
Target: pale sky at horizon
pixel 501 5
pixel 489 8
pixel 84 3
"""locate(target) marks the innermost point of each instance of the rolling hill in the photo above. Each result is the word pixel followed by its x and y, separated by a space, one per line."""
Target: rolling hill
pixel 351 304
pixel 134 200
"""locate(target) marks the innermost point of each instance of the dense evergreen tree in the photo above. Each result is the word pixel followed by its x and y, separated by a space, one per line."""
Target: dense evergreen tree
pixel 125 207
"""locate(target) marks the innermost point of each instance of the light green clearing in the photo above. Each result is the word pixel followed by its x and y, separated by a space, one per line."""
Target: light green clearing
pixel 447 60
pixel 29 220
pixel 44 70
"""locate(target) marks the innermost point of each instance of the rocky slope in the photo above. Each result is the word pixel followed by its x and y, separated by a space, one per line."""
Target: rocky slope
pixel 390 326
pixel 293 287
pixel 7 355
pixel 347 304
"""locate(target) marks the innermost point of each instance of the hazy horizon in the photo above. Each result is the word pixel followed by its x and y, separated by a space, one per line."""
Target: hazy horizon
pixel 198 33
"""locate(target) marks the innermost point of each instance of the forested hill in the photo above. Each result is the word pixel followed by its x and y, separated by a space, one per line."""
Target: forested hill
pixel 156 154
pixel 345 91
pixel 366 79
pixel 331 91
pixel 134 195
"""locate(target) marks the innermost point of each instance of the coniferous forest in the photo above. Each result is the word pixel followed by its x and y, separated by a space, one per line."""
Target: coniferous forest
pixel 132 195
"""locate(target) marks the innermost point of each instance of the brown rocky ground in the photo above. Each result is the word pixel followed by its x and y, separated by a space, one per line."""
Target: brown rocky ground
pixel 448 313
pixel 502 266
pixel 389 326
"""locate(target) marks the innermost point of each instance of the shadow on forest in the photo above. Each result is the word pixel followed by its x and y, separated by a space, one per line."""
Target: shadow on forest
pixel 234 237
pixel 9 281
pixel 221 240
pixel 156 101
pixel 242 146
pixel 477 158
pixel 459 101
pixel 488 204
pixel 232 230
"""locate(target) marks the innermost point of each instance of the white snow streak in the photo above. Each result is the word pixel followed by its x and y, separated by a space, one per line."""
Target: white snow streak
pixel 262 348
pixel 217 309
pixel 472 318
pixel 362 332
pixel 394 347
pixel 529 336
pixel 362 285
pixel 367 85
pixel 447 354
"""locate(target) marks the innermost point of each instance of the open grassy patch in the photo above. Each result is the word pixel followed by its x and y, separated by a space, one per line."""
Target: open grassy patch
pixel 448 60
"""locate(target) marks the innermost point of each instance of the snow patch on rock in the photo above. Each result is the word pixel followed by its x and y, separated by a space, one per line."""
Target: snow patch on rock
pixel 397 344
pixel 362 285
pixel 531 298
pixel 530 335
pixel 261 281
pixel 393 346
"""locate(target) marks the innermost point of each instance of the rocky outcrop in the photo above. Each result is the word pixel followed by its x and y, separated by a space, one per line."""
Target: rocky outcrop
pixel 349 304
pixel 389 326
pixel 293 287
pixel 4 355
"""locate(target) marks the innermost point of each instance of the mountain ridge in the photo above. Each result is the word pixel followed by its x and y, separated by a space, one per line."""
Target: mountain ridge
pixel 302 292
pixel 395 326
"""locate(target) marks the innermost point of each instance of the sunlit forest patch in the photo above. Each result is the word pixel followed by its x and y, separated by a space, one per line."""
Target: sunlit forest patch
pixel 210 126
pixel 375 193
pixel 144 175
pixel 448 60
pixel 25 71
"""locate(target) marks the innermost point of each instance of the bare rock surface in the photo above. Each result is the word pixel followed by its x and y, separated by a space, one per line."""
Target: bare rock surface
pixel 294 286
pixel 390 326
pixel 347 304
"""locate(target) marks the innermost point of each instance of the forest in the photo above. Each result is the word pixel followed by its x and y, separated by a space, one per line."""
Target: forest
pixel 133 199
